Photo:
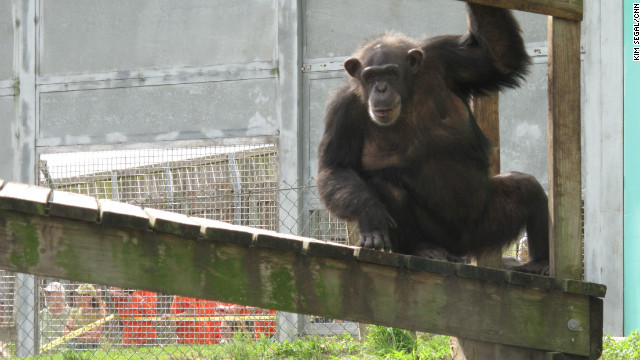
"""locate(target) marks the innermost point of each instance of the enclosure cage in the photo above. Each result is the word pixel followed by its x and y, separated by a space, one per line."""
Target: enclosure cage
pixel 236 183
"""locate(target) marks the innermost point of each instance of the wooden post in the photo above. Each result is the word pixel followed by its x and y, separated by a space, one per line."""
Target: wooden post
pixel 564 149
pixel 485 110
pixel 565 171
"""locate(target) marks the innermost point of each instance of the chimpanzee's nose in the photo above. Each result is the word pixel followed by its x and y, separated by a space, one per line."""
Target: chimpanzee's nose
pixel 381 87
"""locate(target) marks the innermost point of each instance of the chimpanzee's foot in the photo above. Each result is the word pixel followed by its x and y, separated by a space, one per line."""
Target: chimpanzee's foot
pixel 435 252
pixel 539 267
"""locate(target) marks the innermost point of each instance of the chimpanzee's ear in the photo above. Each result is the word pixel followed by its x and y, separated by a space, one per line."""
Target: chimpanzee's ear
pixel 414 59
pixel 352 66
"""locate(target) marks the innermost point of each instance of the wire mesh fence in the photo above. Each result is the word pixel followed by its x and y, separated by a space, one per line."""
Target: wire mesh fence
pixel 236 184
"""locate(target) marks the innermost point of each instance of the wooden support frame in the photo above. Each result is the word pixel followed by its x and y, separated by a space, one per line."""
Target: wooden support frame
pixel 564 130
pixel 75 237
pixel 567 9
pixel 565 176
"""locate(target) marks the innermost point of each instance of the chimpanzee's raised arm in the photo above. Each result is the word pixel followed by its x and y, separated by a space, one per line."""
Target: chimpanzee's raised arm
pixel 490 56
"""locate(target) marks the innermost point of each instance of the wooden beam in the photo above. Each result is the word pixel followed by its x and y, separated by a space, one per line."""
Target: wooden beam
pixel 487 114
pixel 564 149
pixel 567 9
pixel 260 268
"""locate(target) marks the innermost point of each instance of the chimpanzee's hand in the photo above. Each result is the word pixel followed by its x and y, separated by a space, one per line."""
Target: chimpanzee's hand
pixel 374 229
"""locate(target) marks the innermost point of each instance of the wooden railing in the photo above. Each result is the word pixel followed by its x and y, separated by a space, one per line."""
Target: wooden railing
pixel 71 236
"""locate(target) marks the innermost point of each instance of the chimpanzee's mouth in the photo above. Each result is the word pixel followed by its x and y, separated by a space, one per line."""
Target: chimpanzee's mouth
pixel 382 112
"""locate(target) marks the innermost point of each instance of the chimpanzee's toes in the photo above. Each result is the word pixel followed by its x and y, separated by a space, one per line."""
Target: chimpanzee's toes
pixel 434 252
pixel 538 267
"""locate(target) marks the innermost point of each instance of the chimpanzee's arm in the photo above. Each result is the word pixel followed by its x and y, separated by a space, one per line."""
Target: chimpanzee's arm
pixel 489 57
pixel 340 185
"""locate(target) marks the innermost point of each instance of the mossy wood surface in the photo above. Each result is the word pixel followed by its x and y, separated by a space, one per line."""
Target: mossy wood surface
pixel 260 268
pixel 567 9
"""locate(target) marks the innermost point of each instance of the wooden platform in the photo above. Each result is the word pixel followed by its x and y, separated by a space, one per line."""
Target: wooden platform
pixel 75 237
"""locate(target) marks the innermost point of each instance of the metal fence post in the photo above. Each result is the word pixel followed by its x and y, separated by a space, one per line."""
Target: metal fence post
pixel 25 315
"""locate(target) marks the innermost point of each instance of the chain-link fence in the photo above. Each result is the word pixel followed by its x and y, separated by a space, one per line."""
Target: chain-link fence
pixel 236 184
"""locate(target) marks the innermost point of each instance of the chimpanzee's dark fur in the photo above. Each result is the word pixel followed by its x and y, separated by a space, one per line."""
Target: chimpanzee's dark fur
pixel 403 156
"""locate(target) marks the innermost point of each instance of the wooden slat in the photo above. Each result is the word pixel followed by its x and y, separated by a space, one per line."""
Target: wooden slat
pixel 114 213
pixel 25 198
pixel 172 223
pixel 219 231
pixel 568 9
pixel 585 288
pixel 73 206
pixel 564 149
pixel 391 259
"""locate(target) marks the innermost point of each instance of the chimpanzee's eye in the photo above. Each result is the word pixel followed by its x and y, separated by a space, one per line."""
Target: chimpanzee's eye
pixel 368 75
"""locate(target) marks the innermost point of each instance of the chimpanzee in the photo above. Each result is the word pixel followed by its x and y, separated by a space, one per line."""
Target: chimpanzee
pixel 402 155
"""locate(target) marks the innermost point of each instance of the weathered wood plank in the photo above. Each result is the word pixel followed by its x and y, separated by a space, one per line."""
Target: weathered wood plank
pixel 73 206
pixel 172 223
pixel 568 9
pixel 564 149
pixel 113 213
pixel 299 278
pixel 383 258
pixel 25 198
pixel 582 287
pixel 487 115
pixel 486 112
pixel 333 251
pixel 223 232
pixel 477 350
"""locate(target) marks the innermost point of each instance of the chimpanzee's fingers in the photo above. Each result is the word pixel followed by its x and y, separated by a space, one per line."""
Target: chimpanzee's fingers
pixel 378 241
pixel 387 242
pixel 366 241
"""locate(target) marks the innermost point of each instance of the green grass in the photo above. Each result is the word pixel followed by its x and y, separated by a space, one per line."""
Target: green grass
pixel 380 343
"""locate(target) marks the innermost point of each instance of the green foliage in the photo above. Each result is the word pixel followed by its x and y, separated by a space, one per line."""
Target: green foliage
pixel 434 347
pixel 73 355
pixel 316 348
pixel 628 349
pixel 396 344
pixel 386 340
pixel 380 343
pixel 243 347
